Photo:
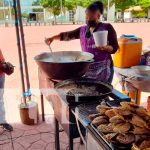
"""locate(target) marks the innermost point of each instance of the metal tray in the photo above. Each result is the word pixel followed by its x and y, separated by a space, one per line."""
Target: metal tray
pixel 84 110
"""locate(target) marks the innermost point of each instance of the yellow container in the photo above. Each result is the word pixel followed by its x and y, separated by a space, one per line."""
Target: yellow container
pixel 129 53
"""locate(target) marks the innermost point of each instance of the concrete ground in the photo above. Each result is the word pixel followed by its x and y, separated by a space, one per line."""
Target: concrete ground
pixel 41 136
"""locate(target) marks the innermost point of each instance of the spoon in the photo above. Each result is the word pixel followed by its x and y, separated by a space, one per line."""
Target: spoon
pixel 50 48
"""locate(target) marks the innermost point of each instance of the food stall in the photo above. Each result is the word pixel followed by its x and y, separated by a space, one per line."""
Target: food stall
pixel 73 100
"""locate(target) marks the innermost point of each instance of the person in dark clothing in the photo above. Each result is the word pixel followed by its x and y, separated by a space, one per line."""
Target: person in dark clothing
pixel 102 68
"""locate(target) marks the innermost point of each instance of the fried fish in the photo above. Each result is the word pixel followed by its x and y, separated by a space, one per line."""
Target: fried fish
pixel 102 109
pixel 125 138
pixel 138 121
pixel 110 137
pixel 129 106
pixel 122 128
pixel 141 131
pixel 145 145
pixel 122 112
pixel 117 119
pixel 142 112
pixel 100 120
pixel 105 128
pixel 110 113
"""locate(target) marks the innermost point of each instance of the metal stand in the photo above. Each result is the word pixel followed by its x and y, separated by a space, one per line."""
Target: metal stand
pixel 42 107
pixel 57 143
pixel 70 130
pixel 70 142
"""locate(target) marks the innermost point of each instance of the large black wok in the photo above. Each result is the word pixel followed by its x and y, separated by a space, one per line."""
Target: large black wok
pixel 64 64
pixel 101 90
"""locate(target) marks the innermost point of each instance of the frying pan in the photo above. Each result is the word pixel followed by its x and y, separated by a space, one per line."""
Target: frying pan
pixel 64 64
pixel 103 88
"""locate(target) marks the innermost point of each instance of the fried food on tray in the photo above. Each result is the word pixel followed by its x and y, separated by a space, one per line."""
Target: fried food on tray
pixel 122 127
pixel 105 128
pixel 93 116
pixel 129 106
pixel 102 109
pixel 145 145
pixel 110 113
pixel 100 120
pixel 135 147
pixel 125 138
pixel 127 124
pixel 139 138
pixel 142 112
pixel 122 112
pixel 139 130
pixel 117 119
pixel 110 137
pixel 138 121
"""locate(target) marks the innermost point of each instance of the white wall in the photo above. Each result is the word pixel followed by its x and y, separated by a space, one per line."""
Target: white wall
pixel 127 15
pixel 149 13
pixel 80 14
pixel 111 16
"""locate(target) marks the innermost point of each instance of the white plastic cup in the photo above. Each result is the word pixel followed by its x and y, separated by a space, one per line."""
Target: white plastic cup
pixel 100 38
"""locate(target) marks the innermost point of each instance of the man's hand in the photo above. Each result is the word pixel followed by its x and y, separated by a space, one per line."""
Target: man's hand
pixel 7 68
pixel 48 41
pixel 107 48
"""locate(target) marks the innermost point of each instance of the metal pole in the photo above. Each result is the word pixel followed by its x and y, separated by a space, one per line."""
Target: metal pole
pixel 10 16
pixel 4 15
pixel 19 49
pixel 108 7
pixel 23 45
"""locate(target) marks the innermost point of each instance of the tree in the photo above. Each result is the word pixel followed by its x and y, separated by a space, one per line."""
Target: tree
pixel 122 5
pixel 37 3
pixel 53 6
pixel 145 4
pixel 72 4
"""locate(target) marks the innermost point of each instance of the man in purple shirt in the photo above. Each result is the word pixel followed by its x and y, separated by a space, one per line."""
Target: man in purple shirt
pixel 102 68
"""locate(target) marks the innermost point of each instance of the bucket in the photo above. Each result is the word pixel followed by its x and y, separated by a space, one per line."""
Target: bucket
pixel 29 113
